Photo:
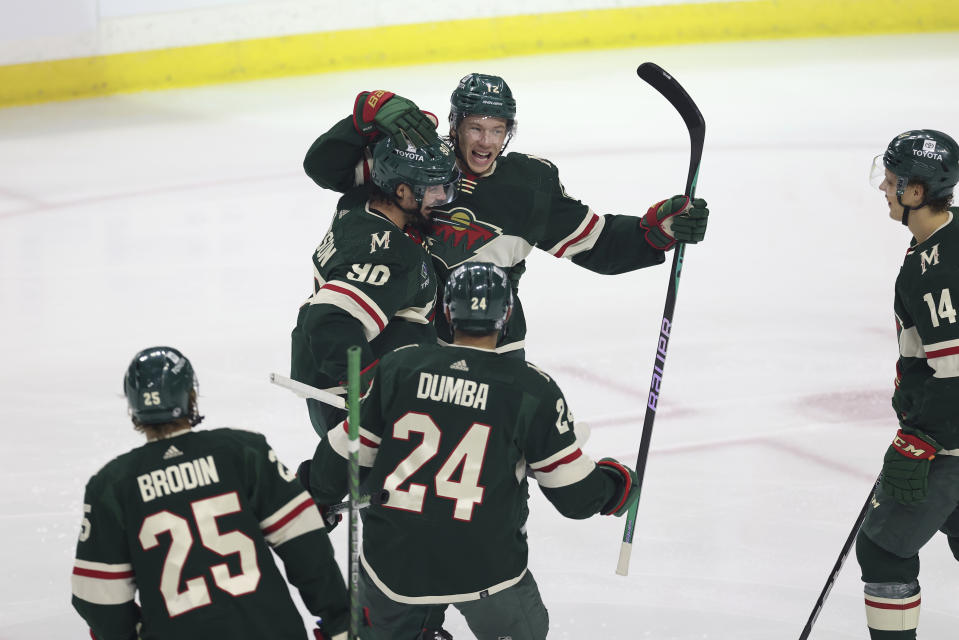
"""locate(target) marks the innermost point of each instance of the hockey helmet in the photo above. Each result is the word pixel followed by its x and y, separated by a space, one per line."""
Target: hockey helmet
pixel 926 155
pixel 430 168
pixel 482 95
pixel 158 386
pixel 478 298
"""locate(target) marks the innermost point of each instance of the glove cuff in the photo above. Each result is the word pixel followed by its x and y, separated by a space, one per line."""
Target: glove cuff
pixel 657 235
pixel 623 476
pixel 365 106
pixel 915 447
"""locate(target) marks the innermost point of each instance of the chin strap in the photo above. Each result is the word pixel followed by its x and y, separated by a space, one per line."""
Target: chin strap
pixel 905 212
pixel 900 189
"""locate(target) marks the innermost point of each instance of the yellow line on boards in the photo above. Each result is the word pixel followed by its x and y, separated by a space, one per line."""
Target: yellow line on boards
pixel 411 44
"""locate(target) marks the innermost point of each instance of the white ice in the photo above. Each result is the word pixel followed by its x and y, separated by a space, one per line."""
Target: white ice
pixel 184 218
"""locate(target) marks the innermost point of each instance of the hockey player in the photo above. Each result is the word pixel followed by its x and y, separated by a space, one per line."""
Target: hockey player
pixel 448 432
pixel 919 490
pixel 373 281
pixel 188 520
pixel 507 204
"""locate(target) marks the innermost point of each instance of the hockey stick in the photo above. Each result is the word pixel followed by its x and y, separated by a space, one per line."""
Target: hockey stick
pixel 353 405
pixel 841 560
pixel 306 391
pixel 677 96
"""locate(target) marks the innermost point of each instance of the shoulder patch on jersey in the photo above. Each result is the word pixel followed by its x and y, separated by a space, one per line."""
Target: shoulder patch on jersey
pixel 929 257
pixel 379 240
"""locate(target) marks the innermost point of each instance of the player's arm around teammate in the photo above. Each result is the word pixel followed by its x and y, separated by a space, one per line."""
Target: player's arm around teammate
pixel 447 432
pixel 373 282
pixel 919 491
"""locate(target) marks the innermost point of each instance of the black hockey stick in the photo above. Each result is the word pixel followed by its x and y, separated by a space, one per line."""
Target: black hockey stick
pixel 677 96
pixel 841 560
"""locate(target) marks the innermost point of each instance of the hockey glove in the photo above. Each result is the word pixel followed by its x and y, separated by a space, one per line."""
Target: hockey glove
pixel 320 632
pixel 627 491
pixel 303 475
pixel 675 220
pixel 376 112
pixel 905 467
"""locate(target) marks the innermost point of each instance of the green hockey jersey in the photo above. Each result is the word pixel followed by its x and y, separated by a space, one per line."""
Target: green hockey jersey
pixel 499 217
pixel 927 373
pixel 449 431
pixel 188 522
pixel 374 286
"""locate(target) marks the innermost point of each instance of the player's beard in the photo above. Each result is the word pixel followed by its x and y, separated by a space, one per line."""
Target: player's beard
pixel 416 220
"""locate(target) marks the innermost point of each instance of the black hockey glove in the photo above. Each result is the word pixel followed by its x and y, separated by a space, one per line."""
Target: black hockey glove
pixel 675 220
pixel 905 467
pixel 627 490
pixel 321 633
pixel 303 475
pixel 376 112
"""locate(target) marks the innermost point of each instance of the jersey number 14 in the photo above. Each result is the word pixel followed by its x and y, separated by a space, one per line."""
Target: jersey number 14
pixel 943 310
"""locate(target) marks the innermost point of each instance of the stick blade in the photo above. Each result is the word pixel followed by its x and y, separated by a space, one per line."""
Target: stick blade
pixel 669 87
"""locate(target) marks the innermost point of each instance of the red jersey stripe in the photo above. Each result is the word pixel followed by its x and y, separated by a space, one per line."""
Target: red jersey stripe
pixel 282 522
pixel 102 575
pixel 359 301
pixel 589 227
pixel 942 353
pixel 562 461
pixel 366 442
pixel 890 605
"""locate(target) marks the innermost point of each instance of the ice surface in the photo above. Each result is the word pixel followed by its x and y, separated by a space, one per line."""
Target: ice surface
pixel 183 217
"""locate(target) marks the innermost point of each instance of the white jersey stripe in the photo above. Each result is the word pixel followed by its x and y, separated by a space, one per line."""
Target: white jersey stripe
pixel 565 472
pixel 559 455
pixel 418 315
pixel 910 344
pixel 945 366
pixel 946 345
pixel 101 583
pixel 354 302
pixel 339 439
pixel 436 599
pixel 506 348
pixel 295 518
pixel 888 614
pixel 582 239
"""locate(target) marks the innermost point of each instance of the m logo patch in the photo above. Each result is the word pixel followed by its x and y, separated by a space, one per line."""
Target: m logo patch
pixel 379 241
pixel 930 259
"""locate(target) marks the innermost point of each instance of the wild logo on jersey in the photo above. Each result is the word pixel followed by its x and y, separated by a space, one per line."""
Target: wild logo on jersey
pixel 457 235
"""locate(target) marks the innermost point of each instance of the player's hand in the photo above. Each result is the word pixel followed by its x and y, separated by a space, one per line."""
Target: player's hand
pixel 303 475
pixel 676 219
pixel 376 112
pixel 627 487
pixel 905 467
pixel 329 519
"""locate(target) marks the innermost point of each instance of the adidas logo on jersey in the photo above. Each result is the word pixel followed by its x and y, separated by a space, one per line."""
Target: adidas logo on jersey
pixel 172 452
pixel 460 366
